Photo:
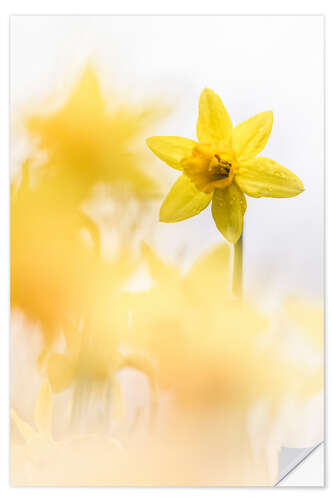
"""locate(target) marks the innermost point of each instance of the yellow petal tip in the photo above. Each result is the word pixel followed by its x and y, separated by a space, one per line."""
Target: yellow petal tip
pixel 149 141
pixel 163 218
pixel 300 187
pixel 208 90
pixel 270 114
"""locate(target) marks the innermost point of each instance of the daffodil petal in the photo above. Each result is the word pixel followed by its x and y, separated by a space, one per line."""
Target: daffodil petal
pixel 228 208
pixel 43 409
pixel 171 149
pixel 250 137
pixel 214 124
pixel 183 201
pixel 264 177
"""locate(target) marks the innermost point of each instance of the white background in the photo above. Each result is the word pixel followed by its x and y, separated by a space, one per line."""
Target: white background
pixel 65 7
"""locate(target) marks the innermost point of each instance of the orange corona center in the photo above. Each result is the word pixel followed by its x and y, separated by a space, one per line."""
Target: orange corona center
pixel 209 169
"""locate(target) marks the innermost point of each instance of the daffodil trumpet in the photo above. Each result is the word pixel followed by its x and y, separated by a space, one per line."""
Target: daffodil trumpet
pixel 222 167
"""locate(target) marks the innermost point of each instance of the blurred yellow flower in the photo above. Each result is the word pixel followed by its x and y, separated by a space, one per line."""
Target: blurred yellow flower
pixel 57 273
pixel 89 140
pixel 47 258
pixel 93 356
pixel 221 167
pixel 212 351
pixel 57 278
pixel 199 336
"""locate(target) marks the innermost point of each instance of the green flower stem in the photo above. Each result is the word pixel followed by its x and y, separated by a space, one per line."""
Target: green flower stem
pixel 237 278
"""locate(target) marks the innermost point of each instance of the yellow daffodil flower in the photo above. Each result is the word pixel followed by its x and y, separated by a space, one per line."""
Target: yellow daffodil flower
pixel 87 143
pixel 221 167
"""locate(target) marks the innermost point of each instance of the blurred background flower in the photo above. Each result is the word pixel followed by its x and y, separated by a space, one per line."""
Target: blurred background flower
pixel 86 145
